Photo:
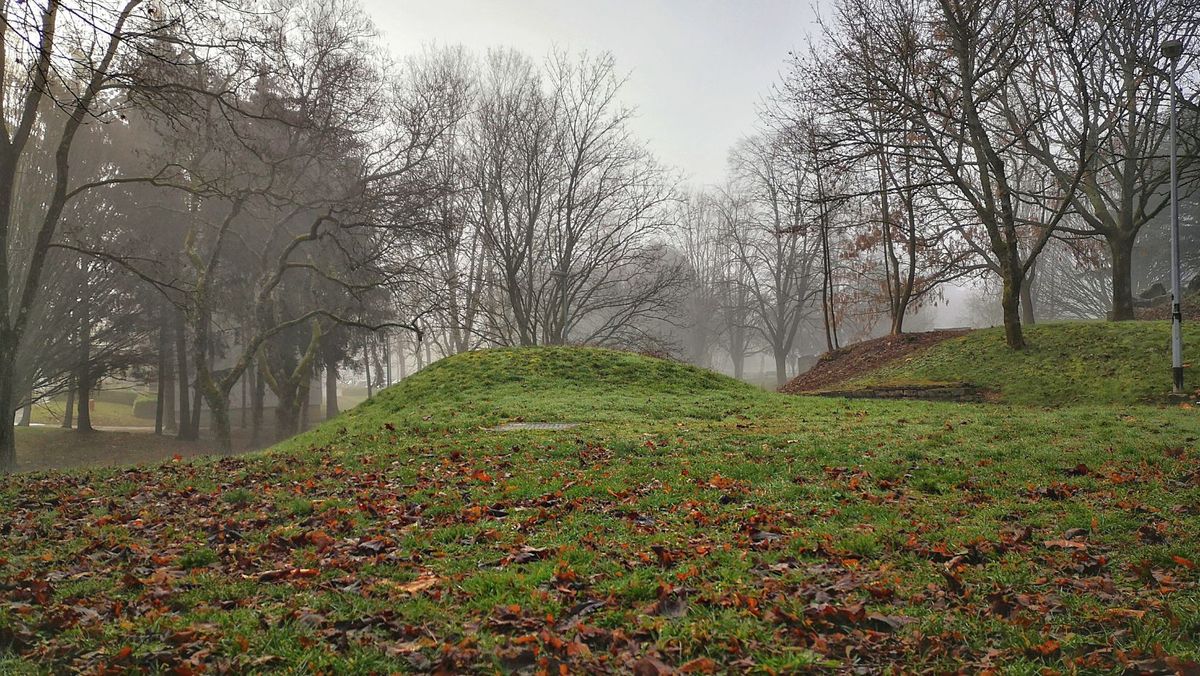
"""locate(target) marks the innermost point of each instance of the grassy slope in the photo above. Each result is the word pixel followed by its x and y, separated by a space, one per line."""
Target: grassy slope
pixel 106 413
pixel 1065 363
pixel 707 519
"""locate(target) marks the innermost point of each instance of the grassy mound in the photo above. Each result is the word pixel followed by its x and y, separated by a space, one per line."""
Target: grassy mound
pixel 549 384
pixel 691 523
pixel 1065 363
pixel 553 371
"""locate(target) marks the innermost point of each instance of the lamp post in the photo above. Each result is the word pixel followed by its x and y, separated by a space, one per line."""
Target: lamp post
pixel 1172 50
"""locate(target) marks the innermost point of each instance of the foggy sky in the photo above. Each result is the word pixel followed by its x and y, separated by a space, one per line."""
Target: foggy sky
pixel 698 68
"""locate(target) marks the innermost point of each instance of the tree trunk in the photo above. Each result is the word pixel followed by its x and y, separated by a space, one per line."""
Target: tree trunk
pixel 169 422
pixel 1027 316
pixel 8 445
pixel 201 340
pixel 26 413
pixel 331 376
pixel 305 402
pixel 83 376
pixel 367 364
pixel 256 407
pixel 185 431
pixel 243 381
pixel 160 396
pixel 1121 253
pixel 780 368
pixel 252 390
pixel 219 424
pixel 210 390
pixel 68 420
pixel 1010 302
pixel 197 406
pixel 387 359
pixel 401 358
pixel 286 415
pixel 1027 308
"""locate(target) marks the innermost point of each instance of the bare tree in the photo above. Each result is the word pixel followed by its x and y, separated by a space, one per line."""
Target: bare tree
pixel 69 58
pixel 572 208
pixel 949 72
pixel 778 242
pixel 1123 93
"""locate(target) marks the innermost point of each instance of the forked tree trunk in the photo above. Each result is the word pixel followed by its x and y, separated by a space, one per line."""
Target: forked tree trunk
pixel 218 413
pixel 286 414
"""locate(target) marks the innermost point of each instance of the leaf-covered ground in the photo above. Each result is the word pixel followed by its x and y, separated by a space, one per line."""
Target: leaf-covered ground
pixel 690 524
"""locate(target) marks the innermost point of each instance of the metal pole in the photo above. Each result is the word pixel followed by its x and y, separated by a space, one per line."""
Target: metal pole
pixel 1176 311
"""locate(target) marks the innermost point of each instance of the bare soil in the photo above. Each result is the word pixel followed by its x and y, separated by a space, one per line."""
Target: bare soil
pixel 1162 312
pixel 862 358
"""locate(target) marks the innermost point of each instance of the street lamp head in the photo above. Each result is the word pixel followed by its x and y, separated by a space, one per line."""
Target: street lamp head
pixel 1172 49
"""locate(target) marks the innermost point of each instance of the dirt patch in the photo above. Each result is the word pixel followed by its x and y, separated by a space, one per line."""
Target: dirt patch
pixel 862 358
pixel 1162 312
pixel 517 426
pixel 929 392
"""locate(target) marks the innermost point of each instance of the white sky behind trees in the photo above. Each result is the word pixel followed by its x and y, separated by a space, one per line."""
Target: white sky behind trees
pixel 698 69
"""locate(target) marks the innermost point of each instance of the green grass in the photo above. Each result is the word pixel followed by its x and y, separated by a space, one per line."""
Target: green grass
pixel 690 518
pixel 105 414
pixel 1064 363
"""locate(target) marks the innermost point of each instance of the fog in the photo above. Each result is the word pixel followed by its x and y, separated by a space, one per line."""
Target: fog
pixel 249 216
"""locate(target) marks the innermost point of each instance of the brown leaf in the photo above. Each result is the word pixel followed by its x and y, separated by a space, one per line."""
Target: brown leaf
pixel 1126 612
pixel 700 665
pixel 284 573
pixel 1065 544
pixel 651 666
pixel 1047 649
pixel 423 581
pixel 319 539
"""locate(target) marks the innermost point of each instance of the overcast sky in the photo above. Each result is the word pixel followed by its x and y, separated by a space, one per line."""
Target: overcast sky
pixel 698 68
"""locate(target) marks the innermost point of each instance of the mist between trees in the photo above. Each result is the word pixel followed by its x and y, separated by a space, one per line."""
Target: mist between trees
pixel 235 198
